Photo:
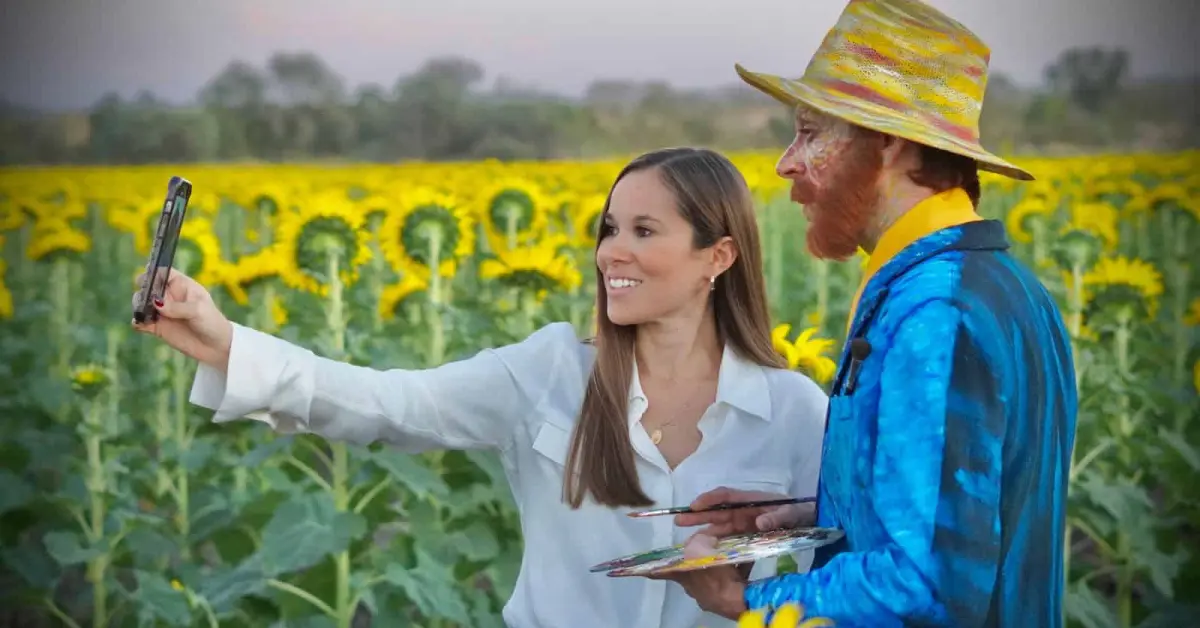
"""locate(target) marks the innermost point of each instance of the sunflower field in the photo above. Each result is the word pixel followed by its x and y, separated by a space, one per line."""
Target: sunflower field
pixel 123 505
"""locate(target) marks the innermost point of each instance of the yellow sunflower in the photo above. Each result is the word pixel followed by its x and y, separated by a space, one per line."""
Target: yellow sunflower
pixel 11 216
pixel 1193 316
pixel 806 353
pixel 89 380
pixel 1020 217
pixel 585 219
pixel 6 301
pixel 323 229
pixel 1118 190
pixel 55 236
pixel 1123 284
pixel 1090 232
pixel 269 198
pixel 1169 195
pixel 540 267
pixel 424 224
pixel 789 615
pixel 198 252
pixel 393 295
pixel 251 269
pixel 513 211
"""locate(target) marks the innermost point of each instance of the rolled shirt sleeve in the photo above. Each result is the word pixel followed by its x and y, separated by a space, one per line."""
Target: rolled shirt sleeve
pixel 473 403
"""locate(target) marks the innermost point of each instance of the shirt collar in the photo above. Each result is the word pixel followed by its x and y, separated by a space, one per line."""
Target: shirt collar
pixel 944 209
pixel 740 383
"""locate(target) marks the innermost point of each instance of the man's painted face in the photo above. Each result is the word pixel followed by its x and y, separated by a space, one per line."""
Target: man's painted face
pixel 834 172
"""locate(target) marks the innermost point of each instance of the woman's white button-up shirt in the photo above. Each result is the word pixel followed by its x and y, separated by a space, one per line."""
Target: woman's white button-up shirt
pixel 764 432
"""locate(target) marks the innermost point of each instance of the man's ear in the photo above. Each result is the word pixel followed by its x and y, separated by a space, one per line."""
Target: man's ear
pixel 896 150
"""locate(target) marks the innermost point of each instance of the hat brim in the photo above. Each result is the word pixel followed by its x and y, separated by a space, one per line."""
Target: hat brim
pixel 878 118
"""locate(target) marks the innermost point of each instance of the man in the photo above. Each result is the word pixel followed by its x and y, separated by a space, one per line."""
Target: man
pixel 952 415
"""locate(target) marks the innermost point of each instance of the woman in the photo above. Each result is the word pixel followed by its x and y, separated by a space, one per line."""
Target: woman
pixel 680 392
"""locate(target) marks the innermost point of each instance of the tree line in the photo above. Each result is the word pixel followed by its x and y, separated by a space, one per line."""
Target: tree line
pixel 298 108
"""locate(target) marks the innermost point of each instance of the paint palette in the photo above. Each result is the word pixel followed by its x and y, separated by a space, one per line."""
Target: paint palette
pixel 733 550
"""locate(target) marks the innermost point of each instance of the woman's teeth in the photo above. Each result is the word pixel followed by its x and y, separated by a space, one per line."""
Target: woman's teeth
pixel 620 282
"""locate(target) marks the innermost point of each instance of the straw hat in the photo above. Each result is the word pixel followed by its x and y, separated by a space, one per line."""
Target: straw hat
pixel 902 68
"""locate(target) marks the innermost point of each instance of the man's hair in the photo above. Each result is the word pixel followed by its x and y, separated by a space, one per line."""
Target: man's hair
pixel 942 170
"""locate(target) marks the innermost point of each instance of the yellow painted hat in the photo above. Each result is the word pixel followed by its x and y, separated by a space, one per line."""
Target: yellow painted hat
pixel 902 68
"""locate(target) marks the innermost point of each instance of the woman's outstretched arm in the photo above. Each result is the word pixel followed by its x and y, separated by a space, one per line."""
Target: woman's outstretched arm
pixel 475 403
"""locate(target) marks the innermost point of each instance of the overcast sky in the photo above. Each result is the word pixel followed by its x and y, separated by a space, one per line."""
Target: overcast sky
pixel 67 53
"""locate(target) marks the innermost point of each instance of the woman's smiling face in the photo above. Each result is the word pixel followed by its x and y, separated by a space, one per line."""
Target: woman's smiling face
pixel 647 254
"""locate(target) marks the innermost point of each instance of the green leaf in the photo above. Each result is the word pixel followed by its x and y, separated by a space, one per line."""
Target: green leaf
pixel 311 621
pixel 1088 608
pixel 489 463
pixel 431 587
pixel 198 454
pixel 67 549
pixel 147 544
pixel 33 564
pixel 265 450
pixel 421 480
pixel 211 510
pixel 1162 567
pixel 303 532
pixel 1126 502
pixel 14 492
pixel 476 543
pixel 1179 443
pixel 225 587
pixel 157 600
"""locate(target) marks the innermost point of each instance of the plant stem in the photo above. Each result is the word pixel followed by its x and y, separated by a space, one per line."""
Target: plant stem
pixel 1124 554
pixel 60 315
pixel 1182 276
pixel 822 294
pixel 182 444
pixel 97 491
pixel 1038 226
pixel 1074 329
pixel 775 252
pixel 336 326
pixel 437 337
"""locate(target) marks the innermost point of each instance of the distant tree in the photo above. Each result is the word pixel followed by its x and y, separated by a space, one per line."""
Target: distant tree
pixel 1090 77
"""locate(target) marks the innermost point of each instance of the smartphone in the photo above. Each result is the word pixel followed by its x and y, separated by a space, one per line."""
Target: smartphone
pixel 162 253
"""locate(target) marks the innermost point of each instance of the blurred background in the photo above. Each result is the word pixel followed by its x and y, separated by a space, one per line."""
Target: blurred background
pixel 138 81
pixel 402 184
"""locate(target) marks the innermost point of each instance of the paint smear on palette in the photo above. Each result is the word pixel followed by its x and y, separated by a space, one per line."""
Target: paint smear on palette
pixel 729 551
pixel 665 553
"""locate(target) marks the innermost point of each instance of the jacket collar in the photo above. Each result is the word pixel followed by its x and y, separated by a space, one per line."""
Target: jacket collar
pixel 979 235
pixel 942 210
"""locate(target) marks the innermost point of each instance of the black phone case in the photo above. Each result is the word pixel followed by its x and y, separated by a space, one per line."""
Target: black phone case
pixel 162 253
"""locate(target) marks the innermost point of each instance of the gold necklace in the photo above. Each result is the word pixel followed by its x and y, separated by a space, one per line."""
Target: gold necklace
pixel 657 434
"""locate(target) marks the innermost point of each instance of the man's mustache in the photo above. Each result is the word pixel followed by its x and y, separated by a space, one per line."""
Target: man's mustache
pixel 802 193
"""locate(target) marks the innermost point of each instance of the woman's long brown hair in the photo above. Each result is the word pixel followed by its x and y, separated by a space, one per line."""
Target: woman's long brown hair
pixel 714 198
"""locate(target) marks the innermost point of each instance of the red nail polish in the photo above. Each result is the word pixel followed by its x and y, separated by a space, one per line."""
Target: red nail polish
pixel 158 303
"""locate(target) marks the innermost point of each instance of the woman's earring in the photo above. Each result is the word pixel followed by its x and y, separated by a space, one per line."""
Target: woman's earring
pixel 712 283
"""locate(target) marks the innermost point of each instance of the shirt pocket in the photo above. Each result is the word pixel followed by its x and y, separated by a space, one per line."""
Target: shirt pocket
pixel 767 480
pixel 552 443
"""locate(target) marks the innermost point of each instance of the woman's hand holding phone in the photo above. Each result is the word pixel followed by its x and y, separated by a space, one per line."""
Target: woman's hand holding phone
pixel 189 321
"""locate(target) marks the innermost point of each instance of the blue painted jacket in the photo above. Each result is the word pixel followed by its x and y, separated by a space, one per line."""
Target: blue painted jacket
pixel 946 459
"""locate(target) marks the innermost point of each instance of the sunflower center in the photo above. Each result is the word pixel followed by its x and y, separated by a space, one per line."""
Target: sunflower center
pixel 511 210
pixel 1077 249
pixel 427 227
pixel 321 238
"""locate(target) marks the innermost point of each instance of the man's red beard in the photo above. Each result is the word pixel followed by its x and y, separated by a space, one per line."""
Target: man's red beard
pixel 843 201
